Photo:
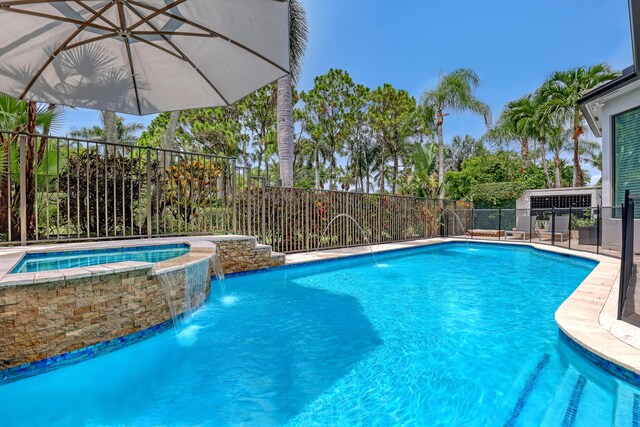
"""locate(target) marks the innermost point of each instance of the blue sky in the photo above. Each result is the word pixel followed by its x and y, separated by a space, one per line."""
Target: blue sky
pixel 512 44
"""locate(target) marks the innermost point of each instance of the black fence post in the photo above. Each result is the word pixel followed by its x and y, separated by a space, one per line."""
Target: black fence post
pixel 624 266
pixel 473 222
pixel 570 226
pixel 446 224
pixel 499 222
pixel 530 224
pixel 598 243
pixel 553 226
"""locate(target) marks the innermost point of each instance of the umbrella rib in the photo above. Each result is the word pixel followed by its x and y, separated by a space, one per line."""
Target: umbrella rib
pixel 184 57
pixel 123 24
pixel 87 41
pixel 133 76
pixel 146 19
pixel 210 31
pixel 62 46
pixel 83 24
pixel 92 10
pixel 171 33
pixel 150 43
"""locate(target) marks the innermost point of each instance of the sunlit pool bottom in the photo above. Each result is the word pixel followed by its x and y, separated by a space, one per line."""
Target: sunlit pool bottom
pixel 35 262
pixel 451 334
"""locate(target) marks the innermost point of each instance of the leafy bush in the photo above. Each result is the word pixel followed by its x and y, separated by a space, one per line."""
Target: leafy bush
pixel 497 194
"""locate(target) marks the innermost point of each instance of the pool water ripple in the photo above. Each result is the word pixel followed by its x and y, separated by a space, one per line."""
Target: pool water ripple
pixel 441 336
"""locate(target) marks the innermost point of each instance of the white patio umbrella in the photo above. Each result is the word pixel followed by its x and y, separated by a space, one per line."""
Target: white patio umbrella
pixel 141 56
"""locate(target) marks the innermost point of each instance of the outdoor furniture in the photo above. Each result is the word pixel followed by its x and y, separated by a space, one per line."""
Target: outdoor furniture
pixel 522 230
pixel 485 233
pixel 561 230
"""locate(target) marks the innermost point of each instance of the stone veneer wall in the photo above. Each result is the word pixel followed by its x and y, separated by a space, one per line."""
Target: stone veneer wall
pixel 244 255
pixel 44 320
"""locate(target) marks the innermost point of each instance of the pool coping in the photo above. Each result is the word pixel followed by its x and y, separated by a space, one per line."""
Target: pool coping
pixel 200 247
pixel 587 319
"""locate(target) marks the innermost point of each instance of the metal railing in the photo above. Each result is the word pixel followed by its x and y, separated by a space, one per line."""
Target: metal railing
pixel 627 266
pixel 56 189
pixel 592 229
pixel 300 220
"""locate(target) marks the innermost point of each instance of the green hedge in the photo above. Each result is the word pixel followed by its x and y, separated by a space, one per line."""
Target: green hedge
pixel 495 195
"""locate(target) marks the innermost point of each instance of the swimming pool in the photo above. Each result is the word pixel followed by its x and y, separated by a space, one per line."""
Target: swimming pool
pixel 35 262
pixel 450 334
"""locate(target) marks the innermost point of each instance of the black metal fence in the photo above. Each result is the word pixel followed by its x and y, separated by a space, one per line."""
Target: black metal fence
pixel 626 294
pixel 592 229
pixel 55 189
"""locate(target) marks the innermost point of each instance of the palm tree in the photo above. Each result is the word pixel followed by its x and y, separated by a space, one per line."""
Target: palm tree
pixel 21 116
pixel 298 35
pixel 423 181
pixel 558 142
pixel 518 120
pixel 172 127
pixel 110 122
pixel 561 93
pixel 460 150
pixel 543 123
pixel 126 133
pixel 454 93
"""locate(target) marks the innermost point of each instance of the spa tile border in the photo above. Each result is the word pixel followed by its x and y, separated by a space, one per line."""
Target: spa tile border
pixel 614 369
pixel 52 363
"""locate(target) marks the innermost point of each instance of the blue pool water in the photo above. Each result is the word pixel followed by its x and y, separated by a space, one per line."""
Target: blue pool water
pixel 450 335
pixel 59 260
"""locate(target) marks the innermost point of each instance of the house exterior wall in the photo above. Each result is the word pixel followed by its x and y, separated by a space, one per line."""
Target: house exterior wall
pixel 524 202
pixel 611 107
pixel 611 232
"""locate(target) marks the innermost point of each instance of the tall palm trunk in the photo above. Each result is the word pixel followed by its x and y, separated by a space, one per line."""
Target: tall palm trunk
pixel 543 158
pixel 383 160
pixel 110 129
pixel 524 150
pixel 578 176
pixel 317 162
pixel 31 169
pixel 172 127
pixel 285 130
pixel 440 153
pixel 558 166
pixel 4 191
pixel 332 167
pixel 396 167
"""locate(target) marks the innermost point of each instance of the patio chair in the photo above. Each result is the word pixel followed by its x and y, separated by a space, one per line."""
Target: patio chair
pixel 561 230
pixel 524 226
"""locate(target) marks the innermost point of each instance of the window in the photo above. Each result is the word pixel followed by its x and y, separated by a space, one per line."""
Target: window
pixel 627 154
pixel 562 202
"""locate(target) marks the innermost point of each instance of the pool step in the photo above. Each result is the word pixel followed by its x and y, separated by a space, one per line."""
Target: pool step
pixel 524 387
pixel 627 411
pixel 578 399
pixel 563 409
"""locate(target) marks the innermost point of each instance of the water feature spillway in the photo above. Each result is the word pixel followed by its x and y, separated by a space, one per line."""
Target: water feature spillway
pixel 456 216
pixel 364 235
pixel 185 290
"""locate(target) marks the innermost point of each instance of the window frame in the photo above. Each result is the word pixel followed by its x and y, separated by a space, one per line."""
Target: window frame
pixel 614 142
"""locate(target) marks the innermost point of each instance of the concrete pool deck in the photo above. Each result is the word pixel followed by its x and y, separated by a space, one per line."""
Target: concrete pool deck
pixel 588 316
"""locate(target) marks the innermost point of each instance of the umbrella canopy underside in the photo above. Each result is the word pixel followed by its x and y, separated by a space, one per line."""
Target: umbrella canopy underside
pixel 142 56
